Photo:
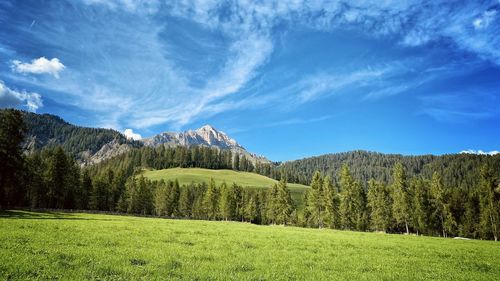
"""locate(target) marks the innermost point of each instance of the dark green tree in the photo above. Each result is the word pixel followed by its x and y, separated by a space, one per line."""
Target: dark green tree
pixel 379 203
pixel 489 202
pixel 331 202
pixel 401 208
pixel 12 130
pixel 210 201
pixel 315 201
pixel 352 206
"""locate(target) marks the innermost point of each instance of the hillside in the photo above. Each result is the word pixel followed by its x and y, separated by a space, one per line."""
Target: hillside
pixel 458 170
pixel 88 145
pixel 245 179
pixel 94 145
pixel 64 246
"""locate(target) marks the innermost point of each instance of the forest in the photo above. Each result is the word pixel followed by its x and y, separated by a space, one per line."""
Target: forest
pixel 461 198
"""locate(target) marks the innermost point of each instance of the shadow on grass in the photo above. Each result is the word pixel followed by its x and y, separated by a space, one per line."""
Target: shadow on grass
pixel 44 215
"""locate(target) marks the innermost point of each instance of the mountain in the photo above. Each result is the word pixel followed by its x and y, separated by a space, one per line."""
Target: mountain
pixel 87 145
pixel 93 145
pixel 206 136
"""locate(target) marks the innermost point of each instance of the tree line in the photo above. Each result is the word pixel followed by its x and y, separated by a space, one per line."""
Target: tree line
pixel 404 203
pixel 162 157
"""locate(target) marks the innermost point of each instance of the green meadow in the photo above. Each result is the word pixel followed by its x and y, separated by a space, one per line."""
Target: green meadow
pixel 77 246
pixel 244 179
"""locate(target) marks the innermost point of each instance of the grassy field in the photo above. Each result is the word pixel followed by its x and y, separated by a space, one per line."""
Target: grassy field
pixel 197 175
pixel 70 246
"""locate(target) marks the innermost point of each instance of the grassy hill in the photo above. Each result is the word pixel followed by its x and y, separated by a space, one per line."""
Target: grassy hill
pixel 71 246
pixel 245 179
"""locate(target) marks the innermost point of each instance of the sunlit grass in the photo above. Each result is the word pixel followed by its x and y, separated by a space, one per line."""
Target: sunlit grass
pixel 245 179
pixel 62 246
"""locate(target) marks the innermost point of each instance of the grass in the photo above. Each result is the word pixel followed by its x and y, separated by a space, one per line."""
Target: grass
pixel 245 179
pixel 73 246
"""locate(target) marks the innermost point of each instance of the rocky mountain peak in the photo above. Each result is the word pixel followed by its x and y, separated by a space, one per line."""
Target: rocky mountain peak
pixel 206 135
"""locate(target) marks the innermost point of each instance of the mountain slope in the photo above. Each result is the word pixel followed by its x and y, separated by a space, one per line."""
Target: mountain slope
pixel 93 145
pixel 88 145
pixel 205 136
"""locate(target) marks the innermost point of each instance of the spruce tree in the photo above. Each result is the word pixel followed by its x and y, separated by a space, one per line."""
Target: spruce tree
pixel 379 204
pixel 439 203
pixel 210 200
pixel 283 203
pixel 227 205
pixel 315 201
pixel 420 204
pixel 489 202
pixel 58 170
pixel 160 199
pixel 352 206
pixel 185 202
pixel 271 204
pixel 251 209
pixel 401 208
pixel 86 190
pixel 331 203
pixel 173 199
pixel 12 130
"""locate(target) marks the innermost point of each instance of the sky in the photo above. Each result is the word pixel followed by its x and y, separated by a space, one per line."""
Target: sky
pixel 286 79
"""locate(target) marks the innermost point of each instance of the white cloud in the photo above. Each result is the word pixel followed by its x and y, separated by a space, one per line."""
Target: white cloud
pixel 13 98
pixel 479 152
pixel 39 66
pixel 161 89
pixel 129 134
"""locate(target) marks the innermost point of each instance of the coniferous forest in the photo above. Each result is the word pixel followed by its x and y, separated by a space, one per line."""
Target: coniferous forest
pixel 451 195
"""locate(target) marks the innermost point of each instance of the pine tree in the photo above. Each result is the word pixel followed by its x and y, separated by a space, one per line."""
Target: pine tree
pixel 401 209
pixel 352 206
pixel 160 199
pixel 86 190
pixel 271 204
pixel 439 203
pixel 379 203
pixel 489 202
pixel 210 201
pixel 315 201
pixel 227 205
pixel 57 178
pixel 37 187
pixel 251 209
pixel 12 130
pixel 420 204
pixel 145 196
pixel 331 203
pixel 236 162
pixel 185 202
pixel 283 203
pixel 172 203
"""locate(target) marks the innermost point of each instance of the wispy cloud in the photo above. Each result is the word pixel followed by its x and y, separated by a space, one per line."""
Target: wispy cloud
pixel 461 106
pixel 123 67
pixel 13 98
pixel 39 66
pixel 286 122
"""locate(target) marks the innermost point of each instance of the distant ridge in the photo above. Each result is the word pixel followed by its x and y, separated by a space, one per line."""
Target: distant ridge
pixel 206 136
pixel 93 145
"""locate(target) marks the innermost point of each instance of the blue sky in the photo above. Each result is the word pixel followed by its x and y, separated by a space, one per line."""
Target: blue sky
pixel 287 79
